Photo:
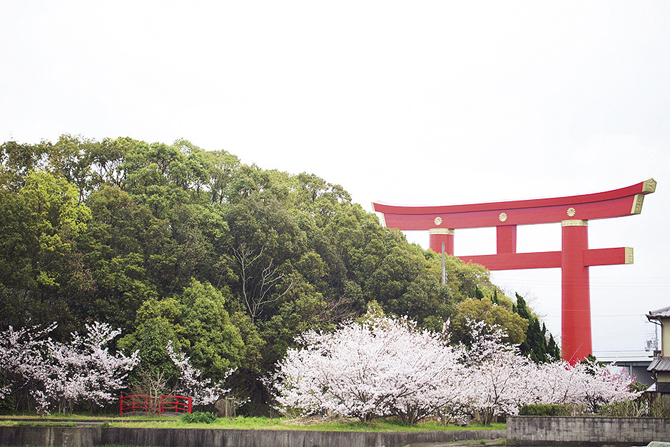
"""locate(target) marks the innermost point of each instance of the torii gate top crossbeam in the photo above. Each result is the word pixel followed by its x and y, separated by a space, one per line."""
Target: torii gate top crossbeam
pixel 574 259
pixel 615 203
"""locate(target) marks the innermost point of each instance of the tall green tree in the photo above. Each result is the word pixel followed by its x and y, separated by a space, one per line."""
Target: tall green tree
pixel 42 271
pixel 494 315
pixel 196 322
pixel 536 345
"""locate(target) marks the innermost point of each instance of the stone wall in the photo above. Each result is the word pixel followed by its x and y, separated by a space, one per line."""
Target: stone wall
pixel 92 436
pixel 585 431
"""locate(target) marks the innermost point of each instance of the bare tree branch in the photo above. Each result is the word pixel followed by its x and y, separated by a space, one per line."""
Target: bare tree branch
pixel 259 283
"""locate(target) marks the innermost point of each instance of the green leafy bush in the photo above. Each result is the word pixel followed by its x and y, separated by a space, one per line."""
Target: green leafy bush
pixel 7 405
pixel 545 410
pixel 199 417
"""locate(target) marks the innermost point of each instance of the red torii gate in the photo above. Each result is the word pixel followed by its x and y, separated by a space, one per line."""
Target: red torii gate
pixel 574 259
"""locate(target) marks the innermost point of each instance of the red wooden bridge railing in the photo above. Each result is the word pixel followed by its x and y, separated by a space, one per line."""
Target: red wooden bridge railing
pixel 155 404
pixel 178 404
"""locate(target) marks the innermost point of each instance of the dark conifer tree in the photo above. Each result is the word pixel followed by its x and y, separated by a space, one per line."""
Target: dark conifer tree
pixel 536 346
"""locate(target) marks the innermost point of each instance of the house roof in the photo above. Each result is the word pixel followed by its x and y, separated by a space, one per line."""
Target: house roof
pixel 663 388
pixel 659 314
pixel 660 364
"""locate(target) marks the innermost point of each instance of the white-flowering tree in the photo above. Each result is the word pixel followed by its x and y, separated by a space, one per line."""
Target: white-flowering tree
pixel 60 375
pixel 84 370
pixel 22 364
pixel 556 383
pixel 382 366
pixel 190 383
pixel 587 384
pixel 109 372
pixel 498 378
pixel 604 387
pixel 386 366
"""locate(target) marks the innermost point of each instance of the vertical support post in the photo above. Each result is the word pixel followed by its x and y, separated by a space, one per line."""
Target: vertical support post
pixel 444 267
pixel 506 239
pixel 576 313
pixel 440 235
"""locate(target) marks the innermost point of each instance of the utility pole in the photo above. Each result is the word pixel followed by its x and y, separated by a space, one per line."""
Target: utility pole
pixel 444 270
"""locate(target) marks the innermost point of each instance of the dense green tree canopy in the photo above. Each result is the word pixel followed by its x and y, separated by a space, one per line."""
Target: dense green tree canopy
pixel 228 261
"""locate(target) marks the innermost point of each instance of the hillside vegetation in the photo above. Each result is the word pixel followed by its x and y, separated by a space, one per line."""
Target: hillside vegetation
pixel 228 261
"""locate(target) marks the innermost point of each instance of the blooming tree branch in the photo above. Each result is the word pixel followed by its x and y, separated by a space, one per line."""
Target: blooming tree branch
pixel 55 373
pixel 190 383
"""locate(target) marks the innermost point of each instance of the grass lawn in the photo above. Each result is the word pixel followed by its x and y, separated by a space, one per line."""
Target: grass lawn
pixel 252 423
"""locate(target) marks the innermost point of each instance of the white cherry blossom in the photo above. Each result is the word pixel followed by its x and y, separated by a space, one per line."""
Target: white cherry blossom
pixel 190 382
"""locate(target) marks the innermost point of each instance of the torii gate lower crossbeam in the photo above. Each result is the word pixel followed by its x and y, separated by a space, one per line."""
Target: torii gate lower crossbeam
pixel 574 259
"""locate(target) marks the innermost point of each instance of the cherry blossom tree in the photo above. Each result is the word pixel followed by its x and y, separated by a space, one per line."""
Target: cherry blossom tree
pixel 497 376
pixel 385 366
pixel 58 374
pixel 190 382
pixel 379 367
pixel 587 384
pixel 606 387
pixel 84 370
pixel 22 364
pixel 556 383
pixel 500 380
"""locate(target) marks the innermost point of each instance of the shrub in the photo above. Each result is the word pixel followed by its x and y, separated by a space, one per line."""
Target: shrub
pixel 7 405
pixel 660 407
pixel 199 417
pixel 545 410
pixel 626 408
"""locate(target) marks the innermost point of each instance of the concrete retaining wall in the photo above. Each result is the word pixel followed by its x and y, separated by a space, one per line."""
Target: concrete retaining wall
pixel 92 436
pixel 585 431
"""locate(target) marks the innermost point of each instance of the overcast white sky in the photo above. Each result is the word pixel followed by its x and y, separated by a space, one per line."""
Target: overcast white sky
pixel 426 102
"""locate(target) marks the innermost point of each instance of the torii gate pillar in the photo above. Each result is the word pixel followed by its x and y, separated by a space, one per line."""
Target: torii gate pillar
pixel 574 259
pixel 575 291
